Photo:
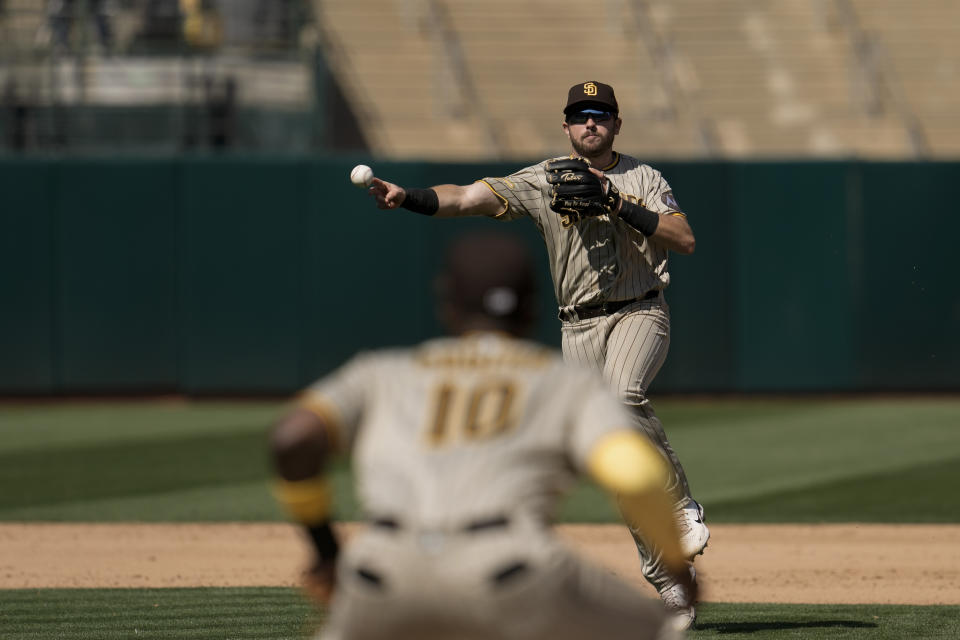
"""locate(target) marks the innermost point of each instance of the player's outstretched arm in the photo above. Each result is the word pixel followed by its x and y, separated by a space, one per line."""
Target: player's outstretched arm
pixel 441 201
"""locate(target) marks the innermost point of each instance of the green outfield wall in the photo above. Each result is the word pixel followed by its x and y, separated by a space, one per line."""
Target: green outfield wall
pixel 253 275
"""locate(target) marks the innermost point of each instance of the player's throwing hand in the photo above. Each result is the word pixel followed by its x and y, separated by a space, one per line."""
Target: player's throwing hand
pixel 387 194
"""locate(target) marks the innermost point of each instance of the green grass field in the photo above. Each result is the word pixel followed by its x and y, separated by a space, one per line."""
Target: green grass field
pixel 790 460
pixel 796 460
pixel 283 614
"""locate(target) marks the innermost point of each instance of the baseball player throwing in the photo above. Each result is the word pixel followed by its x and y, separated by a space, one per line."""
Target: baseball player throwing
pixel 608 222
pixel 461 448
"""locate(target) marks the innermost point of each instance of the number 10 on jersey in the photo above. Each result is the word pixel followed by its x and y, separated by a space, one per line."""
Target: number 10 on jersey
pixel 471 413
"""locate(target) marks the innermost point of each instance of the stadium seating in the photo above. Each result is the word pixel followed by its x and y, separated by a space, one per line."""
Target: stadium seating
pixel 175 77
pixel 696 78
pixel 463 80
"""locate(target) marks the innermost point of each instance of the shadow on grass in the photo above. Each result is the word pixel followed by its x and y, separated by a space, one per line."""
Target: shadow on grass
pixel 750 627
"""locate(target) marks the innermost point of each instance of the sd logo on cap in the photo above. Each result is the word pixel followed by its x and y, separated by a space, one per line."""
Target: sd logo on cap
pixel 594 93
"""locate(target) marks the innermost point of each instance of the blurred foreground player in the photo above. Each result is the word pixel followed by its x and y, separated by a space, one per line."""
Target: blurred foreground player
pixel 462 446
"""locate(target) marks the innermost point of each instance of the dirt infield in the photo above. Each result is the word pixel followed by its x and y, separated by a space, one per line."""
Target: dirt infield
pixel 836 564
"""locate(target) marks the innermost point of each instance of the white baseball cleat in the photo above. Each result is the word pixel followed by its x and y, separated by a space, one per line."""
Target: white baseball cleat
pixel 679 603
pixel 694 534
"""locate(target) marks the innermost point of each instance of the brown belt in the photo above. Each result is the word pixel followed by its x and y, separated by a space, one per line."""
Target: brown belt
pixel 586 311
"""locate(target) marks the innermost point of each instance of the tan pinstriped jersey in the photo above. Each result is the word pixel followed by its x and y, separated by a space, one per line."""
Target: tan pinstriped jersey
pixel 462 429
pixel 596 259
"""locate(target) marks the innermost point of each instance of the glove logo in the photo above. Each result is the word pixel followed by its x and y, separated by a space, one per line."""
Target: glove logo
pixel 589 89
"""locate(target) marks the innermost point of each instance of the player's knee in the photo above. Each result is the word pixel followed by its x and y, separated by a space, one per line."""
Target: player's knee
pixel 635 399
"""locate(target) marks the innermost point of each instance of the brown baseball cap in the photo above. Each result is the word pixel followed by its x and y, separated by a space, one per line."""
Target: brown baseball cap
pixel 592 92
pixel 489 274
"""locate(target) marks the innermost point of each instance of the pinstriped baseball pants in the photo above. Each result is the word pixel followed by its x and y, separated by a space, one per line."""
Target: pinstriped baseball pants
pixel 628 347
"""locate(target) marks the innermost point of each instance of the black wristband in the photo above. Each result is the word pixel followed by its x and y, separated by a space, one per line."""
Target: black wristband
pixel 423 201
pixel 324 540
pixel 641 219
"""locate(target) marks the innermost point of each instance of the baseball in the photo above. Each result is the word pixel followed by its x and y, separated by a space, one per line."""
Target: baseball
pixel 361 176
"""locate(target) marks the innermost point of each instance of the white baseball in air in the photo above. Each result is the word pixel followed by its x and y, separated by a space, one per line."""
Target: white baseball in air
pixel 361 176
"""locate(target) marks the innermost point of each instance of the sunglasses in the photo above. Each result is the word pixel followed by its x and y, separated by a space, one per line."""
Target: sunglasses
pixel 581 117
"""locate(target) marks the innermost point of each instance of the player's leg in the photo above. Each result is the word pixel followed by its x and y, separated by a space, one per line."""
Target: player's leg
pixel 583 342
pixel 636 347
pixel 629 349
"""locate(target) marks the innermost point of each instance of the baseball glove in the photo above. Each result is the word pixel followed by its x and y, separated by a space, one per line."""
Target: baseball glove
pixel 578 193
